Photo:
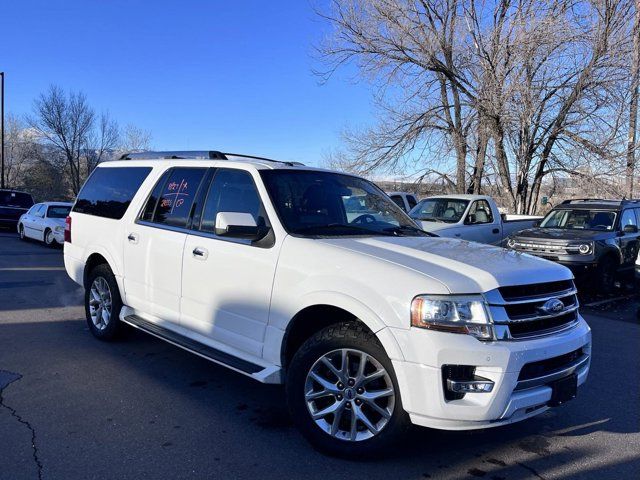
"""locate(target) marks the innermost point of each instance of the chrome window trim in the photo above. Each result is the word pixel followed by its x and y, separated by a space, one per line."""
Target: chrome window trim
pixel 197 233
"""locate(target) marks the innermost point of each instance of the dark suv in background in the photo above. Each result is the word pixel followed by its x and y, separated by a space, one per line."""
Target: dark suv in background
pixel 12 205
pixel 597 239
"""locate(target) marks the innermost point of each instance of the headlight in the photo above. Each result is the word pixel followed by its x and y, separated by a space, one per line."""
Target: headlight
pixel 58 229
pixel 455 314
pixel 511 243
pixel 582 248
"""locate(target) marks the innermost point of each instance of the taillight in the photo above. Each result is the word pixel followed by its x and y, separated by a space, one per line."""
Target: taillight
pixel 67 230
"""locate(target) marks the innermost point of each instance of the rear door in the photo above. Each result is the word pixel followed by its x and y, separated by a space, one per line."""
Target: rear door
pixel 227 282
pixel 480 225
pixel 154 244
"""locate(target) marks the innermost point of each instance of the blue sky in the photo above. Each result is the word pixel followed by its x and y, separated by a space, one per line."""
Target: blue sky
pixel 232 75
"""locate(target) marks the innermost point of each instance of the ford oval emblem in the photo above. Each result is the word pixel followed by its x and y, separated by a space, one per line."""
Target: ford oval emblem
pixel 553 305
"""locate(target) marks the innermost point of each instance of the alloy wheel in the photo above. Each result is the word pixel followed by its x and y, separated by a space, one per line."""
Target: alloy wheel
pixel 349 395
pixel 100 303
pixel 48 239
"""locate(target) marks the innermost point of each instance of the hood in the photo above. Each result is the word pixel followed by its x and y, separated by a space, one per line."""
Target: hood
pixel 463 267
pixel 562 234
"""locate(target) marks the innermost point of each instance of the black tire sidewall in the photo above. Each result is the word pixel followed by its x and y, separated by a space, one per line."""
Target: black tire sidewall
pixel 345 335
pixel 21 232
pixel 113 329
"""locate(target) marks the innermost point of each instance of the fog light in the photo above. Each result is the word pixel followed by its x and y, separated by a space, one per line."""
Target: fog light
pixel 477 385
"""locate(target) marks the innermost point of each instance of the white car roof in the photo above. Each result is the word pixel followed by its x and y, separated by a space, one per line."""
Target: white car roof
pixel 56 204
pixel 462 196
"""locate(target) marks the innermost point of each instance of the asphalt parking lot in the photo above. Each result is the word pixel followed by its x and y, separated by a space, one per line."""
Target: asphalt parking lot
pixel 73 407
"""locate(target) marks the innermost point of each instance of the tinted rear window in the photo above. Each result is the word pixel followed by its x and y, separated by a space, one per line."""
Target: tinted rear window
pixel 109 191
pixel 15 199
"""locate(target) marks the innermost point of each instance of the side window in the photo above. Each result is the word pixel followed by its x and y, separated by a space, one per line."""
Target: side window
pixel 412 201
pixel 40 211
pixel 32 210
pixel 637 216
pixel 231 191
pixel 481 211
pixel 109 191
pixel 173 207
pixel 397 199
pixel 628 218
pixel 152 201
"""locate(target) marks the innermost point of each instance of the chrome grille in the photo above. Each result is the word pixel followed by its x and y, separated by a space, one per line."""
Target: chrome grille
pixel 529 311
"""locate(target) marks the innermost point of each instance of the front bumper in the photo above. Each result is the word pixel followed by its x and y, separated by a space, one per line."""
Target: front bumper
pixel 421 382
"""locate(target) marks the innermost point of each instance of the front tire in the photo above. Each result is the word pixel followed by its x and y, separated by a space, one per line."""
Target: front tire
pixel 23 236
pixel 606 274
pixel 343 394
pixel 103 303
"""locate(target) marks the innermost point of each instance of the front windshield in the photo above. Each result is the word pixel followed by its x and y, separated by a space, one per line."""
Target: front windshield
pixel 58 211
pixel 580 219
pixel 317 203
pixel 448 210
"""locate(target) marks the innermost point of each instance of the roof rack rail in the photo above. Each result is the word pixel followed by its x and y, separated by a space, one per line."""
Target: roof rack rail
pixel 203 155
pixel 571 200
pixel 198 155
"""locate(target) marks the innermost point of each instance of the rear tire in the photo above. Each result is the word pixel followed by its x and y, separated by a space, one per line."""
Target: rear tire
pixel 373 406
pixel 102 303
pixel 49 239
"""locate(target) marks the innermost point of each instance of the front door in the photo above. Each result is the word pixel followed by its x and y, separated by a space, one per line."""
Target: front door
pixel 226 283
pixel 154 244
pixel 629 240
pixel 480 224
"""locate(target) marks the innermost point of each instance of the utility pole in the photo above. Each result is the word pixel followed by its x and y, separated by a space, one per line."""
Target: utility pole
pixel 2 130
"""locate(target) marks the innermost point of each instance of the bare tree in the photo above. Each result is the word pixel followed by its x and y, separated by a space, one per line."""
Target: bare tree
pixel 135 139
pixel 633 103
pixel 65 121
pixel 505 90
pixel 101 142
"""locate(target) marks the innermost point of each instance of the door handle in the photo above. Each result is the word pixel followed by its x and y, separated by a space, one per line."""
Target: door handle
pixel 200 253
pixel 458 234
pixel 496 230
pixel 132 237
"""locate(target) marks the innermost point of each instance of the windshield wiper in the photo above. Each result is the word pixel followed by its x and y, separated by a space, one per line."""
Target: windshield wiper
pixel 401 229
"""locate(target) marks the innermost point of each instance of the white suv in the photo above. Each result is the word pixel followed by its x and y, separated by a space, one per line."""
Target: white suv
pixel 271 269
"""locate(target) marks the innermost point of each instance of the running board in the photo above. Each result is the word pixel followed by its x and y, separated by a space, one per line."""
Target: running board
pixel 209 353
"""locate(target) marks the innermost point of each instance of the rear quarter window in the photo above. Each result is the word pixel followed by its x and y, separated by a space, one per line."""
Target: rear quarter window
pixel 109 191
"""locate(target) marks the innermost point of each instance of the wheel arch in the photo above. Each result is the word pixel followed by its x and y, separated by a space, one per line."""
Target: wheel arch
pixel 313 318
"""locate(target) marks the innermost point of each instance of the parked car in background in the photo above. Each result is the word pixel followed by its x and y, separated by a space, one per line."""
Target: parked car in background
pixel 45 222
pixel 468 217
pixel 594 238
pixel 370 322
pixel 406 201
pixel 12 205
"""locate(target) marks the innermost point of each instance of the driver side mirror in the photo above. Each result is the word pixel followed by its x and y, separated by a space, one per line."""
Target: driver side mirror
pixel 630 229
pixel 237 225
pixel 471 219
pixel 537 223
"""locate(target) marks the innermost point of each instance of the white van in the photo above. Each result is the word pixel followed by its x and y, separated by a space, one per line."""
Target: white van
pixel 370 322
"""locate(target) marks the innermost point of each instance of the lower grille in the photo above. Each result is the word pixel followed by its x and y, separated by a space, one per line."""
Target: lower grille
pixel 545 367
